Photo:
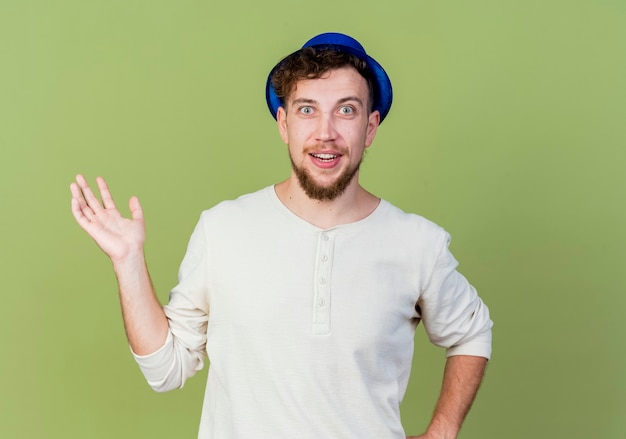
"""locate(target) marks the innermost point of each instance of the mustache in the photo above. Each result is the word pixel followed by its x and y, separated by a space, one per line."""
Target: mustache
pixel 326 147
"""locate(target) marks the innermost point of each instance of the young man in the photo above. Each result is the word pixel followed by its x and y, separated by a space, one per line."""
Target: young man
pixel 305 295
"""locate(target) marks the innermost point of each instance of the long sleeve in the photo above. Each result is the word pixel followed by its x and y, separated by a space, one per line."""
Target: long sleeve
pixel 453 314
pixel 184 350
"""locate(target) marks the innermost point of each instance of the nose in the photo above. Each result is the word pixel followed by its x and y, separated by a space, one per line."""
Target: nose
pixel 325 128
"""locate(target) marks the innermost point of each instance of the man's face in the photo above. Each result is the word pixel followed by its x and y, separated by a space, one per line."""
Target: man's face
pixel 327 125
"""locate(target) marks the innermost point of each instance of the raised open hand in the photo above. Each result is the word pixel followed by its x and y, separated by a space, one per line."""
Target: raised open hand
pixel 117 236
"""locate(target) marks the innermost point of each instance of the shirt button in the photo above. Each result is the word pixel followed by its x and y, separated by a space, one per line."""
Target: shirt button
pixel 321 302
pixel 322 280
pixel 325 237
pixel 324 258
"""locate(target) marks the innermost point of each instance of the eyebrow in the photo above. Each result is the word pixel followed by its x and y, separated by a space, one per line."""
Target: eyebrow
pixel 351 98
pixel 303 101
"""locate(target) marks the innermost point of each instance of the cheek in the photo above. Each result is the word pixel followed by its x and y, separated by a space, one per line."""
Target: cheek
pixel 356 136
pixel 299 132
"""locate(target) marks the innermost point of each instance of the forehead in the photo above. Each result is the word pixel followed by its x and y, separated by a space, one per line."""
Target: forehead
pixel 335 84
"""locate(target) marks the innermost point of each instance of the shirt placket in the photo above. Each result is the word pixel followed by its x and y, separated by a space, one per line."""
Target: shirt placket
pixel 322 277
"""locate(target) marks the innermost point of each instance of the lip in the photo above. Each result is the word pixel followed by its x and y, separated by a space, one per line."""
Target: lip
pixel 325 159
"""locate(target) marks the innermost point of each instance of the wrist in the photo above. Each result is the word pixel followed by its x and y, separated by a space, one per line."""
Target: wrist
pixel 439 429
pixel 132 261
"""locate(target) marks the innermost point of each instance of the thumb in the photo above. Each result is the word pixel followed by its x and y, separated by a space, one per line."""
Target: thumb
pixel 135 208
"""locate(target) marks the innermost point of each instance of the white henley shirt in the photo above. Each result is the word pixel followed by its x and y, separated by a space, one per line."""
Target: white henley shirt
pixel 309 331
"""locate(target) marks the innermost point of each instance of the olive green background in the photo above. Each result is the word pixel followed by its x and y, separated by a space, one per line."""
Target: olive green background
pixel 508 129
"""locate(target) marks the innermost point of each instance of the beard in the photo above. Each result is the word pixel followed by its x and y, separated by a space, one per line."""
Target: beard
pixel 316 191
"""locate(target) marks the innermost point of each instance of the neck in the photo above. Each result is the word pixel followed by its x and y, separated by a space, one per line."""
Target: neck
pixel 352 205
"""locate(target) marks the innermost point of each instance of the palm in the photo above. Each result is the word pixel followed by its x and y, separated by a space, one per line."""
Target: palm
pixel 115 235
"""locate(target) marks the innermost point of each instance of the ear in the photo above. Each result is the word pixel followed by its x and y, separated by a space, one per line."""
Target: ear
pixel 281 119
pixel 372 127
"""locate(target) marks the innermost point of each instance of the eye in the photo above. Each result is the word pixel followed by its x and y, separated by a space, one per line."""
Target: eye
pixel 306 110
pixel 346 110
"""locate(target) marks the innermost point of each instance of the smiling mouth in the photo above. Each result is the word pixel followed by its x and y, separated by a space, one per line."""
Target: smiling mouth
pixel 325 157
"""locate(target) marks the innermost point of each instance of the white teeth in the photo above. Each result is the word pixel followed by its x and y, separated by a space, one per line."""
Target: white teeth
pixel 325 156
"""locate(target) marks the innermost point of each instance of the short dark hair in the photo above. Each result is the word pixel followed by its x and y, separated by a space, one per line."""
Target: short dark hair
pixel 313 63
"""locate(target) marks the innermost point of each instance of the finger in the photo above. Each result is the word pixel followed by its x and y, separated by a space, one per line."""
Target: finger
pixel 77 212
pixel 105 194
pixel 90 198
pixel 135 209
pixel 75 190
pixel 79 205
pixel 83 217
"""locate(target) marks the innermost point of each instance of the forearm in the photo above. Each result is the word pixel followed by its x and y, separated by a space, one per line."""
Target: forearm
pixel 122 240
pixel 462 377
pixel 144 320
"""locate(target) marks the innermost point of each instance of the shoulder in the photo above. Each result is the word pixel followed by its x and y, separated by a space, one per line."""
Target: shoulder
pixel 409 235
pixel 244 207
pixel 396 218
